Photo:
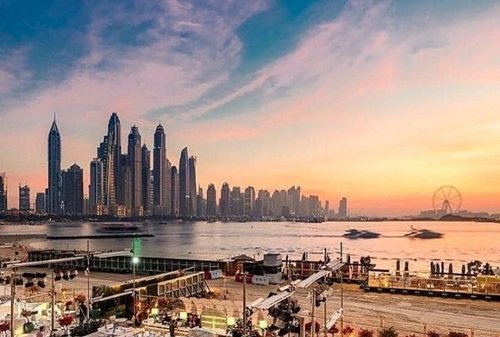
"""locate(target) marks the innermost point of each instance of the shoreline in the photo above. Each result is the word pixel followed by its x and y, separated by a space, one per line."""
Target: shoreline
pixel 32 219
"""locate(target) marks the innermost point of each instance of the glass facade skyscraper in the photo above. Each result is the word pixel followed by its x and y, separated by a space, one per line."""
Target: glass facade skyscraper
pixel 184 202
pixel 135 163
pixel 73 190
pixel 54 178
pixel 3 193
pixel 159 171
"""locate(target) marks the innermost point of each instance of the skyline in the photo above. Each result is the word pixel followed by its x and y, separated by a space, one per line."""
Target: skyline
pixel 380 102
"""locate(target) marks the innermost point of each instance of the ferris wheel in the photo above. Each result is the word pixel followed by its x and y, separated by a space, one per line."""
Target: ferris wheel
pixel 447 199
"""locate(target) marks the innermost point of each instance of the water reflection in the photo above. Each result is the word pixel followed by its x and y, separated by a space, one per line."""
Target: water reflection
pixel 461 241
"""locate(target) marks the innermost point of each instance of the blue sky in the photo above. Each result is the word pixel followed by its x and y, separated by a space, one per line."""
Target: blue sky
pixel 283 83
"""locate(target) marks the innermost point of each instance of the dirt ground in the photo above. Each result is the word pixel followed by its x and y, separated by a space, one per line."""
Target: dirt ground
pixel 371 310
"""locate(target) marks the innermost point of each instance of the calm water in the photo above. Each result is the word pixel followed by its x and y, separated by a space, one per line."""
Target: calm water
pixel 461 242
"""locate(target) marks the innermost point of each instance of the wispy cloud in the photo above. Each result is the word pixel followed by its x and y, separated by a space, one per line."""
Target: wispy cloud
pixel 13 72
pixel 184 50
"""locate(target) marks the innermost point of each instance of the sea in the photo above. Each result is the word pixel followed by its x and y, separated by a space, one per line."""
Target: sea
pixel 460 242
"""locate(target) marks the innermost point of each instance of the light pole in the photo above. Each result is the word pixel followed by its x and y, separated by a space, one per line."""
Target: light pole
pixel 326 330
pixel 313 323
pixel 341 295
pixel 53 302
pixel 135 260
pixel 88 280
pixel 12 300
pixel 244 303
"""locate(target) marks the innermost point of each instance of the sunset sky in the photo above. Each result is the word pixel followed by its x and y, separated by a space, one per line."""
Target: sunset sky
pixel 381 102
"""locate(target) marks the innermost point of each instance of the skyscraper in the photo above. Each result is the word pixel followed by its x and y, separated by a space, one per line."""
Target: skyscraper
pixel 225 200
pixel 193 195
pixel 201 203
pixel 115 148
pixel 293 195
pixel 236 201
pixel 263 204
pixel 96 188
pixel 343 208
pixel 126 174
pixel 109 152
pixel 249 201
pixel 174 183
pixel 276 203
pixel 159 170
pixel 54 181
pixel 211 200
pixel 3 193
pixel 146 180
pixel 314 205
pixel 24 198
pixel 40 203
pixel 184 188
pixel 134 154
pixel 168 184
pixel 72 182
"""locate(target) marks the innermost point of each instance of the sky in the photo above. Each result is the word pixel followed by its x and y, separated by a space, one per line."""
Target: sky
pixel 378 101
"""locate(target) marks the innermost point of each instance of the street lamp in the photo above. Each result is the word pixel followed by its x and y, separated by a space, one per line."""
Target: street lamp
pixel 135 260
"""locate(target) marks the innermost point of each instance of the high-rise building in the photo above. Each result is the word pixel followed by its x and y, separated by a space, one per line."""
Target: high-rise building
pixel 193 193
pixel 293 198
pixel 104 152
pixel 72 182
pixel 114 135
pixel 168 183
pixel 54 179
pixel 249 201
pixel 134 155
pixel 3 193
pixel 343 208
pixel 283 198
pixel 184 188
pixel 160 188
pixel 276 203
pixel 146 180
pixel 304 207
pixel 40 203
pixel 225 200
pixel 201 203
pixel 109 152
pixel 211 200
pixel 96 187
pixel 314 205
pixel 126 174
pixel 263 204
pixel 236 201
pixel 86 205
pixel 174 188
pixel 24 198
